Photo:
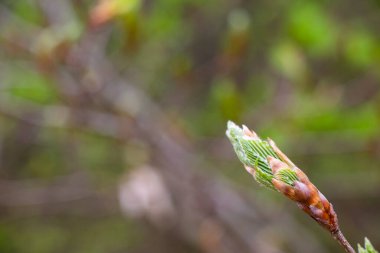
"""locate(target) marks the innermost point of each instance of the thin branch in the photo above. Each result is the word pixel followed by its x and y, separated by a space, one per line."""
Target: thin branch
pixel 338 235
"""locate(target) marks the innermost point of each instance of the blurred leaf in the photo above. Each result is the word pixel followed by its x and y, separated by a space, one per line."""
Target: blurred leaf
pixel 288 60
pixel 311 27
pixel 29 84
pixel 361 49
pixel 161 24
pixel 27 10
pixel 315 114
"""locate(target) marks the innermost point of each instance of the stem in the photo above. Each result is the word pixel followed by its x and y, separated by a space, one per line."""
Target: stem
pixel 338 235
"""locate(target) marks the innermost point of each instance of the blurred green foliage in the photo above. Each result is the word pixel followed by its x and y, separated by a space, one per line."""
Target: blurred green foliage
pixel 305 73
pixel 312 28
pixel 25 82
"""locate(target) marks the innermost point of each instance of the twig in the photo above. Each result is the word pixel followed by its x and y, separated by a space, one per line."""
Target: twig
pixel 338 235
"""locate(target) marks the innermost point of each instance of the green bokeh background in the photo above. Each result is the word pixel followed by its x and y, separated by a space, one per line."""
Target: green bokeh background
pixel 305 73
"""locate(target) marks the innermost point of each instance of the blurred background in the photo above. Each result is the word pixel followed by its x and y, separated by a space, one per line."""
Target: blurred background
pixel 113 117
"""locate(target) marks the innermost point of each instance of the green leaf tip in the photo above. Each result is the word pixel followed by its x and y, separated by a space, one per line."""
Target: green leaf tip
pixel 254 152
pixel 287 176
pixel 368 247
pixel 234 134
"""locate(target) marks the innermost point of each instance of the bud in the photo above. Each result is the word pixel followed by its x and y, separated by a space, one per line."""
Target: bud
pixel 273 169
pixel 257 154
pixel 252 152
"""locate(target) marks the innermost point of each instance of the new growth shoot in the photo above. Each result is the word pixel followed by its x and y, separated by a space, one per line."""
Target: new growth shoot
pixel 273 169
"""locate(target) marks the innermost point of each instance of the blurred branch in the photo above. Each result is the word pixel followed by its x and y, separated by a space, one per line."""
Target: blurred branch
pixel 62 117
pixel 65 194
pixel 95 96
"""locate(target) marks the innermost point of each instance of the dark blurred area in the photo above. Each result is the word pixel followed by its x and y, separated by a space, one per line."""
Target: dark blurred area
pixel 113 117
